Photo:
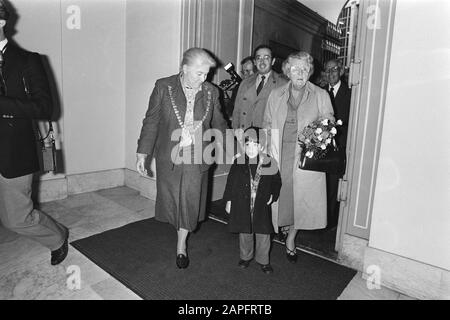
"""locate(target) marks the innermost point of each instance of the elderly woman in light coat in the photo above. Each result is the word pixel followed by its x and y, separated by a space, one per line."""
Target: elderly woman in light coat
pixel 290 108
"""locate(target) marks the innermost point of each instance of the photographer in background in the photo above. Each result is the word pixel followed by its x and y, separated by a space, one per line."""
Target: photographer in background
pixel 22 71
pixel 247 67
pixel 247 70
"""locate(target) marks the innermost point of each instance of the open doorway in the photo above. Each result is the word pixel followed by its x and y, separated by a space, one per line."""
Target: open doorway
pixel 305 30
pixel 324 241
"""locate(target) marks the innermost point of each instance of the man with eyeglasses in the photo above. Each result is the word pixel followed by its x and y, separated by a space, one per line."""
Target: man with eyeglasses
pixel 253 91
pixel 340 96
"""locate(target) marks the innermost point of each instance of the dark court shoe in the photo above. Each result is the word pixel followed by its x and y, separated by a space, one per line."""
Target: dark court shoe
pixel 60 254
pixel 291 255
pixel 282 236
pixel 182 261
pixel 244 263
pixel 267 268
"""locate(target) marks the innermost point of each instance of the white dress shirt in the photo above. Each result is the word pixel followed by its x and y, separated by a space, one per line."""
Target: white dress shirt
pixel 335 88
pixel 3 44
pixel 266 76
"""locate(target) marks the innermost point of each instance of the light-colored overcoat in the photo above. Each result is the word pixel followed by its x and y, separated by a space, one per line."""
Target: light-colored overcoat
pixel 310 201
pixel 248 107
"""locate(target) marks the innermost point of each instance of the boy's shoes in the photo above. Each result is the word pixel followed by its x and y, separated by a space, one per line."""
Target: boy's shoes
pixel 244 263
pixel 267 268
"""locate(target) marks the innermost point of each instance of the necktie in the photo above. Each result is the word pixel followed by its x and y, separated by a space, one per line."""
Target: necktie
pixel 2 80
pixel 331 93
pixel 260 85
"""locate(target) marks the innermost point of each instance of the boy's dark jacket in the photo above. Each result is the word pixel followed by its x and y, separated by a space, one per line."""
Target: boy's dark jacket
pixel 237 191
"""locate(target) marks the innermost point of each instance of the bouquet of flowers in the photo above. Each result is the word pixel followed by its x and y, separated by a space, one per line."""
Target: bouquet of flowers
pixel 316 137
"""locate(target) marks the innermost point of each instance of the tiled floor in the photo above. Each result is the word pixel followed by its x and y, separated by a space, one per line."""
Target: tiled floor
pixel 26 273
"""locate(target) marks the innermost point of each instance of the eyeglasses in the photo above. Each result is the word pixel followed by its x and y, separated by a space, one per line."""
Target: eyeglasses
pixel 334 69
pixel 260 58
pixel 299 70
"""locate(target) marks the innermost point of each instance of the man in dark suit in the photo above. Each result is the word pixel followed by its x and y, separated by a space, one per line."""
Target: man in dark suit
pixel 340 96
pixel 24 98
pixel 253 92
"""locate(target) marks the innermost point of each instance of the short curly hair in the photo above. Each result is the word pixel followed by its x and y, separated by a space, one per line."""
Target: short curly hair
pixel 301 55
pixel 190 55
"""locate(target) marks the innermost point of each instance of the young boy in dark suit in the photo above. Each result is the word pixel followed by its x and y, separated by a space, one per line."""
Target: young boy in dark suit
pixel 253 184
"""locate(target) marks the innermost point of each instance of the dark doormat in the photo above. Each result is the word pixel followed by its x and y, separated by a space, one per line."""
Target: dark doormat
pixel 141 255
pixel 321 242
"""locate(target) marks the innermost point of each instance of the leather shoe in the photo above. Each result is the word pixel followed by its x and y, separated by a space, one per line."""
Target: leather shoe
pixel 244 263
pixel 182 261
pixel 267 268
pixel 291 255
pixel 282 236
pixel 60 254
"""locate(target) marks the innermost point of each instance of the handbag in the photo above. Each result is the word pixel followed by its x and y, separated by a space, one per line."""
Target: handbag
pixel 48 153
pixel 47 156
pixel 333 161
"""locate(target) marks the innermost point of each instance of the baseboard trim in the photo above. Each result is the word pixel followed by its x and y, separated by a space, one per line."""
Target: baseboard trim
pixel 410 277
pixel 145 185
pixel 61 186
pixel 352 252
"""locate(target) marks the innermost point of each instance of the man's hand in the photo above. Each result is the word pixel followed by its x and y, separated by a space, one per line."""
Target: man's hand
pixel 140 164
pixel 228 207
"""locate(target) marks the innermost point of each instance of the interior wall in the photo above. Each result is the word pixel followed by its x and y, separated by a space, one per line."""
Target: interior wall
pixel 87 74
pixel 93 85
pixel 153 33
pixel 411 205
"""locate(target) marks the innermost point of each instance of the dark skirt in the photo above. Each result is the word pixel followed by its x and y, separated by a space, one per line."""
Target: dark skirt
pixel 181 195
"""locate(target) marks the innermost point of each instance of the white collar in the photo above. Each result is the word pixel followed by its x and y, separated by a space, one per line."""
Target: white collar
pixel 3 44
pixel 335 87
pixel 266 76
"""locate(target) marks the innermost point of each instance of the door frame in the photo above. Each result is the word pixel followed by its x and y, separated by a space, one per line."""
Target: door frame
pixel 369 73
pixel 372 55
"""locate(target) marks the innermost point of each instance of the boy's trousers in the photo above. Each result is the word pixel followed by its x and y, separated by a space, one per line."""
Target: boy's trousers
pixel 248 249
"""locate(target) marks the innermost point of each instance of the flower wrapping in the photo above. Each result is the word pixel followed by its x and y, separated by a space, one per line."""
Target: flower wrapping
pixel 317 137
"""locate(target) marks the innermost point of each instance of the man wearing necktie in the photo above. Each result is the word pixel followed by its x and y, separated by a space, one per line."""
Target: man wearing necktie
pixel 253 92
pixel 2 80
pixel 24 97
pixel 340 96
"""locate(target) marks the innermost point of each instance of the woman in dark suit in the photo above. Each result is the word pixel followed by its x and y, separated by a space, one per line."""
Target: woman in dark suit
pixel 181 108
